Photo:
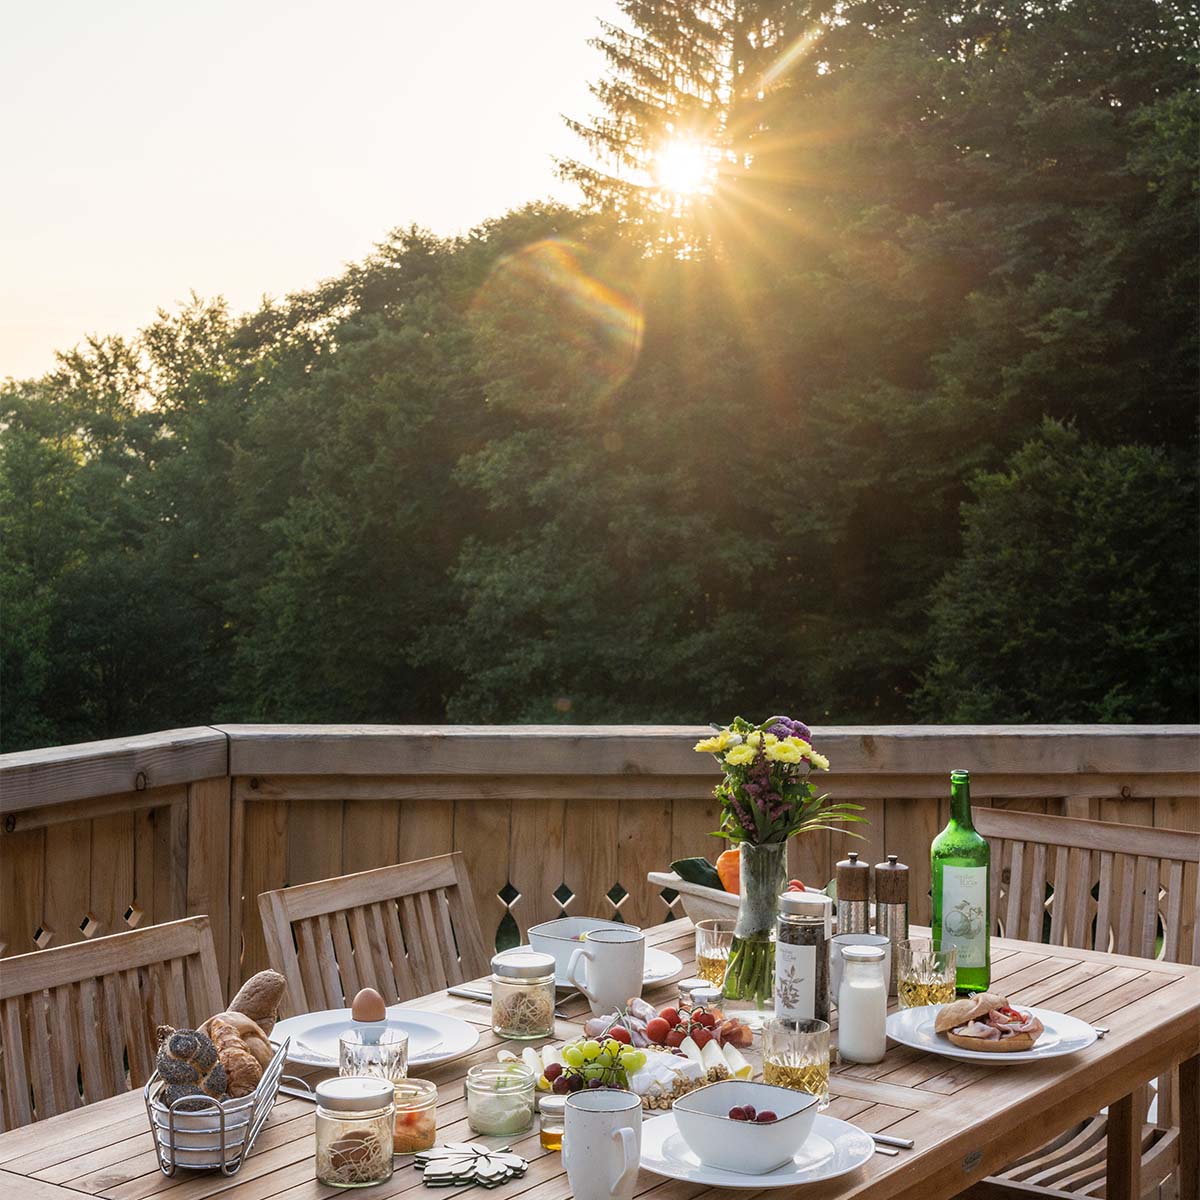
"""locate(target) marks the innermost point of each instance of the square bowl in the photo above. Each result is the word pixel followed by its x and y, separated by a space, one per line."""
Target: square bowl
pixel 561 939
pixel 746 1147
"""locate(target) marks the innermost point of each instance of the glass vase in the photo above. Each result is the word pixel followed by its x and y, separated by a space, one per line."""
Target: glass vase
pixel 750 975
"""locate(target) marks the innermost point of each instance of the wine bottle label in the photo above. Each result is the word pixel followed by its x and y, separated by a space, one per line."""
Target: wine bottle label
pixel 795 981
pixel 964 913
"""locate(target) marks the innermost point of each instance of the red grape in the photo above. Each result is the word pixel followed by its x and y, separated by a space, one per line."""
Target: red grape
pixel 574 1082
pixel 553 1071
pixel 562 1085
pixel 737 1113
pixel 751 1111
pixel 766 1117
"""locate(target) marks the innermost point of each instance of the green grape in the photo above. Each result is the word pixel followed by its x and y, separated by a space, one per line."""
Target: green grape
pixel 590 1048
pixel 633 1060
pixel 573 1055
pixel 604 1059
pixel 612 1047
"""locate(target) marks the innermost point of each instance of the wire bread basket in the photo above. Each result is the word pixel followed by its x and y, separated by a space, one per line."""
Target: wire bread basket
pixel 204 1134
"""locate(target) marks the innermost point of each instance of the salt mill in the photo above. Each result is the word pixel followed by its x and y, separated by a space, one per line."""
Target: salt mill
pixel 853 895
pixel 891 907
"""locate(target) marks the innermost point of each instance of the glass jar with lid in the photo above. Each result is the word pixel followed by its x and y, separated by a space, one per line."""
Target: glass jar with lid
pixel 354 1131
pixel 802 932
pixel 500 1098
pixel 553 1110
pixel 523 995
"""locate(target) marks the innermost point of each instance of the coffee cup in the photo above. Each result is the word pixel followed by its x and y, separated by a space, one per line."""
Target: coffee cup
pixel 602 1144
pixel 608 968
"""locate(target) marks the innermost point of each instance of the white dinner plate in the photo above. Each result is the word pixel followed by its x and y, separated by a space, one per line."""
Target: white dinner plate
pixel 660 966
pixel 1064 1034
pixel 833 1148
pixel 432 1037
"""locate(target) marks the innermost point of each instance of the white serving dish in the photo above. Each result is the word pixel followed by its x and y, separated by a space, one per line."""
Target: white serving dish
pixel 560 938
pixel 218 1136
pixel 699 902
pixel 1064 1034
pixel 744 1147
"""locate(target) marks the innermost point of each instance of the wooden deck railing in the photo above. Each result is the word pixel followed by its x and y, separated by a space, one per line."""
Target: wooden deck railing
pixel 108 835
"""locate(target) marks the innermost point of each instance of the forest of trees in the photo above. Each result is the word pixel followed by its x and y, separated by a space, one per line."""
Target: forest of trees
pixel 897 421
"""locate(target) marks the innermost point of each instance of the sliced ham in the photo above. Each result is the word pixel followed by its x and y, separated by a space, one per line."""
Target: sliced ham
pixel 978 1029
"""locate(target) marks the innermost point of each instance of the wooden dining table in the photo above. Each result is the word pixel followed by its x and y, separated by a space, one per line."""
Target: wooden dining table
pixel 965 1121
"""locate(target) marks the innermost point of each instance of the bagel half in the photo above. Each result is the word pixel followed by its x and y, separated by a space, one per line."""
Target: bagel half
pixel 976 1008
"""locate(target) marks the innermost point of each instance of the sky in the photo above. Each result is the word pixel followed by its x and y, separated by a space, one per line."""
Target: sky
pixel 151 148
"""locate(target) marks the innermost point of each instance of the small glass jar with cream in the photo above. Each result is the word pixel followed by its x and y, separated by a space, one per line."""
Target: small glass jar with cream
pixel 862 1005
pixel 500 1098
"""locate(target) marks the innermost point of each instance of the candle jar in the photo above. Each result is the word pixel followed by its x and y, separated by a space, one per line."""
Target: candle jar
pixel 523 995
pixel 500 1098
pixel 553 1110
pixel 416 1116
pixel 354 1131
pixel 862 1005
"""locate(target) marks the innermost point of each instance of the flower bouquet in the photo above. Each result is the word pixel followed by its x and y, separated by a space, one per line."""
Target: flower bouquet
pixel 766 797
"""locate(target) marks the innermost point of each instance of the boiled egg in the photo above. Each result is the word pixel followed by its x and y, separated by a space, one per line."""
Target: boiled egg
pixel 368 1006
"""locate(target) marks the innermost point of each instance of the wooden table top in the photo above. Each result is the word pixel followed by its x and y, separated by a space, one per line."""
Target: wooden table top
pixel 966 1121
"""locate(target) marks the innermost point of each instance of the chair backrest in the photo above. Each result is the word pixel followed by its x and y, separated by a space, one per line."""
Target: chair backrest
pixel 404 930
pixel 1095 885
pixel 77 1022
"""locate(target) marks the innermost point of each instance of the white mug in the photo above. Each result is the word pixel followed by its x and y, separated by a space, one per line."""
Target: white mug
pixel 616 961
pixel 854 939
pixel 602 1144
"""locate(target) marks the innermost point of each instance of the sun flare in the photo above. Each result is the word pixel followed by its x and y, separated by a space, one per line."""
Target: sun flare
pixel 683 167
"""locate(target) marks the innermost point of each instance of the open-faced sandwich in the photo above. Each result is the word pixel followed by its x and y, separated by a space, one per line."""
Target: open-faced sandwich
pixel 988 1023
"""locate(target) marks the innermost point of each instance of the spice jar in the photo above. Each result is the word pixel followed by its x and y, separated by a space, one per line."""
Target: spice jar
pixel 354 1131
pixel 416 1116
pixel 523 995
pixel 699 993
pixel 500 1098
pixel 553 1110
pixel 802 932
pixel 853 895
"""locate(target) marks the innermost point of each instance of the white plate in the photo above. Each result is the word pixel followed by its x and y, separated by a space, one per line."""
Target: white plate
pixel 432 1037
pixel 660 966
pixel 833 1148
pixel 1064 1035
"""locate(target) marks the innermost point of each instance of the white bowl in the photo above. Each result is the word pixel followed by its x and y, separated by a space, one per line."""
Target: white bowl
pixel 197 1135
pixel 744 1146
pixel 560 938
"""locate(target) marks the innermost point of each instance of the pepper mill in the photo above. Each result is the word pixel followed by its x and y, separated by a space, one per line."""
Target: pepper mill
pixel 853 895
pixel 891 908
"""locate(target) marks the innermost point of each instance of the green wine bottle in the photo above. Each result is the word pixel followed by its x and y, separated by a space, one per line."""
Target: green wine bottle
pixel 961 863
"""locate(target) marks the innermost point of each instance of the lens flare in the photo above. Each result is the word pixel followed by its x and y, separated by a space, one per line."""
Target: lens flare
pixel 682 167
pixel 554 327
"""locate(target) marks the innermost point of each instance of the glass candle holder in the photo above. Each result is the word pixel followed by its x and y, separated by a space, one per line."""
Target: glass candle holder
pixel 416 1116
pixel 714 938
pixel 376 1053
pixel 925 972
pixel 796 1055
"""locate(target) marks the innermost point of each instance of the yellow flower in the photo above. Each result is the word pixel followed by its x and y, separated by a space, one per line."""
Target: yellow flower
pixel 714 745
pixel 740 755
pixel 756 739
pixel 818 760
pixel 785 752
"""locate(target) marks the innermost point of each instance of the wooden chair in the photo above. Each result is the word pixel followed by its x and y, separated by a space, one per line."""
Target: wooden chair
pixel 404 930
pixel 77 1022
pixel 1095 885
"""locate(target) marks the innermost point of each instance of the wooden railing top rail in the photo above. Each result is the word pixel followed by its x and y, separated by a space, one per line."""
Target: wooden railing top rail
pixel 905 760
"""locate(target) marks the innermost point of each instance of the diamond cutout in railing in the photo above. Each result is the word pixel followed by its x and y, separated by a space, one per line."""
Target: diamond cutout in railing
pixel 508 895
pixel 670 895
pixel 616 895
pixel 133 916
pixel 42 937
pixel 89 926
pixel 563 895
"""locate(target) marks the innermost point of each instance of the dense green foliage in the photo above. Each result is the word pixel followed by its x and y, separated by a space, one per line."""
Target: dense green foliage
pixel 897 420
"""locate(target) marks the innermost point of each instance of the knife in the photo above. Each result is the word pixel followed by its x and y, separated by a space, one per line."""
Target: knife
pixel 466 993
pixel 885 1139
